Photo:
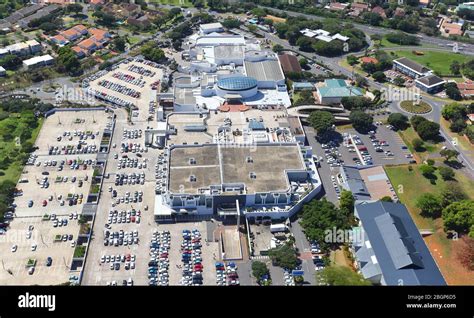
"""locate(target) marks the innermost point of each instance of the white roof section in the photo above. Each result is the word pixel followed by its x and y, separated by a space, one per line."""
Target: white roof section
pixel 38 59
pixel 324 38
pixel 215 40
pixel 211 26
pixel 2 69
pixel 324 35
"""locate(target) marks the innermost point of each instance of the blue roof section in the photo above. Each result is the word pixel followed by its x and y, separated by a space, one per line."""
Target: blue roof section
pixel 237 83
pixel 303 85
pixel 401 252
pixel 256 125
pixel 335 83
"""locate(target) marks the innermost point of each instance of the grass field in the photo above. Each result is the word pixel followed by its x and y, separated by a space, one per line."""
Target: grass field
pixel 413 185
pixel 410 106
pixel 437 61
pixel 182 3
pixel 429 148
pixel 463 143
pixel 14 169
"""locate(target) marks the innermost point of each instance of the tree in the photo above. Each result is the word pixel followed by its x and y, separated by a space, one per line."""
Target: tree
pixel 416 120
pixel 119 43
pixel 372 18
pixel 151 52
pixel 449 153
pixel 452 91
pixel 259 269
pixel 428 130
pixel 446 173
pixel 360 81
pixel 67 61
pixel 466 252
pixel 398 120
pixel 361 121
pixel 454 111
pixel 231 23
pixel 303 62
pixel 459 216
pixel 346 203
pixel 73 8
pixel 277 48
pixel 352 59
pixel 340 276
pixel 379 76
pixel 305 44
pixel 321 121
pixel 386 199
pixel 452 192
pixel 399 81
pixel 284 256
pixel 458 125
pixel 430 205
pixel 355 102
pixel 319 215
pixel 455 68
pixel 417 143
pixel 427 171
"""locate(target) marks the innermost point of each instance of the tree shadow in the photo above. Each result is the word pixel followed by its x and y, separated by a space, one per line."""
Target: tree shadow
pixel 454 164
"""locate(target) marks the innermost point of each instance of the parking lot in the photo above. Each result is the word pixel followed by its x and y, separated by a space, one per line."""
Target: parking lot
pixel 341 150
pixel 51 192
pixel 131 82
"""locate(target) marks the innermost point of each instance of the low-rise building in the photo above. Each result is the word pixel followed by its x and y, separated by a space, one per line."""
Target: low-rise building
pixel 466 89
pixel 333 90
pixel 38 61
pixel 389 249
pixel 449 28
pixel 208 28
pixel 290 63
pixel 22 48
pixel 430 84
pixel 410 68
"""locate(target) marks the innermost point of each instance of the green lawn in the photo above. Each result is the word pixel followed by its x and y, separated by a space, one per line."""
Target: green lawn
pixel 410 185
pixel 437 61
pixel 409 134
pixel 14 169
pixel 182 3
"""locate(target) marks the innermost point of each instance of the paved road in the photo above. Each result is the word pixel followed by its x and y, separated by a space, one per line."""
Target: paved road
pixel 304 248
pixel 435 115
pixel 468 49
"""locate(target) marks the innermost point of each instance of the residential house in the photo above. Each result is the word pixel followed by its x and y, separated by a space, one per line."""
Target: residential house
pixel 466 88
pixel 101 36
pixel 142 22
pixel 399 12
pixel 336 6
pixel 368 59
pixel 357 8
pixel 59 40
pixel 89 45
pixel 380 11
pixel 449 28
pixel 389 249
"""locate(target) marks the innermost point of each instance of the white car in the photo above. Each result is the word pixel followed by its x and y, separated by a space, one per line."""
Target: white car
pixel 14 248
pixel 33 247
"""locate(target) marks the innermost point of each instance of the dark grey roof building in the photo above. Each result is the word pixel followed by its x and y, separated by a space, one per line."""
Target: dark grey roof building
pixel 352 181
pixel 389 248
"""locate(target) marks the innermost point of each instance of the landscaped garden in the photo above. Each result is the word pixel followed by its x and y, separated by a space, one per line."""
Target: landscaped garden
pixel 415 108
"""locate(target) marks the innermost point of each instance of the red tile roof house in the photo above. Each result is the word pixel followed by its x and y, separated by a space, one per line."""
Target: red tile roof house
pixel 399 12
pixel 59 40
pixel 89 45
pixel 100 36
pixel 380 11
pixel 368 59
pixel 336 6
pixel 80 53
pixel 466 89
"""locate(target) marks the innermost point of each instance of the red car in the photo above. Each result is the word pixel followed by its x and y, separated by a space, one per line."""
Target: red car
pixel 198 267
pixel 45 203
